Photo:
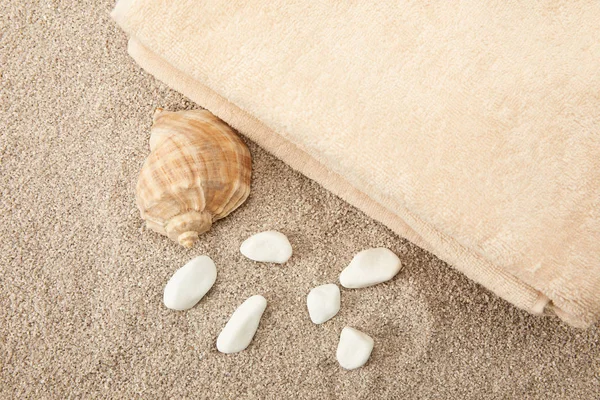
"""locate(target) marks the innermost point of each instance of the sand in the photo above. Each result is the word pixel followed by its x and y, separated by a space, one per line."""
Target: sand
pixel 81 279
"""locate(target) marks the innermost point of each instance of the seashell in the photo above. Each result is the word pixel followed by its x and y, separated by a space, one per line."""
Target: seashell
pixel 198 171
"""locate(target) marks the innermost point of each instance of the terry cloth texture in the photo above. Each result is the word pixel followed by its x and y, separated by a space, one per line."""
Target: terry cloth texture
pixel 470 128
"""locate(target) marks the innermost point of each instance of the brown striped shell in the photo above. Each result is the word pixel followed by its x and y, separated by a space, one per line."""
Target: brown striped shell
pixel 198 171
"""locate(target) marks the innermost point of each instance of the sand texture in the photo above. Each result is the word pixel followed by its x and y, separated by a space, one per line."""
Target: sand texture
pixel 81 279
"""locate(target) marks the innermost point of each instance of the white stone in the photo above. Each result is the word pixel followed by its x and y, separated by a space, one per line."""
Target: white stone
pixel 242 325
pixel 370 267
pixel 269 246
pixel 190 283
pixel 354 348
pixel 323 302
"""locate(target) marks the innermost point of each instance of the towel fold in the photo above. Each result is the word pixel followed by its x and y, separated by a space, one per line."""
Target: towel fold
pixel 470 128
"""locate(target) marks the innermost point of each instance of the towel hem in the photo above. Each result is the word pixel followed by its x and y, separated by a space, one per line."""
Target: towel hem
pixel 472 265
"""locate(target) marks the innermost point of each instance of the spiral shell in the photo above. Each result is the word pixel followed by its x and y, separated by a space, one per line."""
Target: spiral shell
pixel 198 171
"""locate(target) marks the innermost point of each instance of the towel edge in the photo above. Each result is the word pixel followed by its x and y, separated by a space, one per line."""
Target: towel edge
pixel 501 283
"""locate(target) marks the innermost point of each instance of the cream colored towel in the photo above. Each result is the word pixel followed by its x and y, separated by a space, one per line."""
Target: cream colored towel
pixel 472 128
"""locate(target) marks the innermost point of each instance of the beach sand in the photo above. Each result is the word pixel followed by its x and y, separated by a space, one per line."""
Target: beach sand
pixel 81 278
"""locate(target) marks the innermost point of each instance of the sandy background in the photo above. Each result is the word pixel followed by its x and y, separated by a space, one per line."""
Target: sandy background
pixel 81 279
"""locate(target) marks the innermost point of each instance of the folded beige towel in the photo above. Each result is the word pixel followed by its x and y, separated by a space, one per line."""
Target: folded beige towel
pixel 471 128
